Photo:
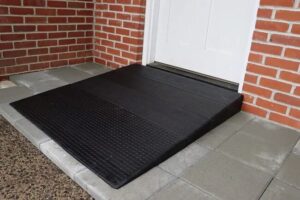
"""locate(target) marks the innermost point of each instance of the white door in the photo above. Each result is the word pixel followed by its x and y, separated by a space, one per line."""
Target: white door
pixel 206 36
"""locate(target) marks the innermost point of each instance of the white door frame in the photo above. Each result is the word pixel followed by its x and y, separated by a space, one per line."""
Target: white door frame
pixel 150 35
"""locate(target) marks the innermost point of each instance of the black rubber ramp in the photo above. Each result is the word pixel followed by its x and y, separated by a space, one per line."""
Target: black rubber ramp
pixel 123 123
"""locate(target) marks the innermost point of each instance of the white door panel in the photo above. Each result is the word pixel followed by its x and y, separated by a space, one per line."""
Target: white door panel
pixel 205 36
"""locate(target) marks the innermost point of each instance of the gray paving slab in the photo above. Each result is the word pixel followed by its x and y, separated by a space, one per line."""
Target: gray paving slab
pixel 68 74
pixel 296 149
pixel 290 171
pixel 280 191
pixel 61 158
pixel 240 119
pixel 44 86
pixel 217 136
pixel 12 94
pixel 30 79
pixel 92 68
pixel 10 114
pixel 227 178
pixel 180 190
pixel 184 159
pixel 259 152
pixel 31 132
pixel 139 189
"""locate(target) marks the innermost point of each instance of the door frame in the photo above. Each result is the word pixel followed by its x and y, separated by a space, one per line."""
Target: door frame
pixel 150 36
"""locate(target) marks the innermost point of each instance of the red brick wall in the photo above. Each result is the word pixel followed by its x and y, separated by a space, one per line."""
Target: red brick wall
pixel 119 26
pixel 40 34
pixel 272 82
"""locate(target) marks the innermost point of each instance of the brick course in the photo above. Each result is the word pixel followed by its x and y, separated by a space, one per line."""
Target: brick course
pixel 40 34
pixel 272 81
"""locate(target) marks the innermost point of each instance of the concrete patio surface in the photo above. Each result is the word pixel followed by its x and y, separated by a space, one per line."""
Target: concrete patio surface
pixel 245 158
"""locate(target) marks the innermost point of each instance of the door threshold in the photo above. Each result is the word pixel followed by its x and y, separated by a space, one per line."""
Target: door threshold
pixel 197 76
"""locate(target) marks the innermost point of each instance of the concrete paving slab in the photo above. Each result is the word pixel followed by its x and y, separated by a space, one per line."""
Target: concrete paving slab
pixel 184 159
pixel 10 114
pixel 280 191
pixel 139 189
pixel 290 171
pixel 12 94
pixel 61 158
pixel 217 136
pixel 68 74
pixel 180 190
pixel 226 178
pixel 31 132
pixel 266 155
pixel 92 68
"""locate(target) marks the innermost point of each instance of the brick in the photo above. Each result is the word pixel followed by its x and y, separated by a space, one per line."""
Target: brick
pixel 134 9
pixel 284 120
pixel 36 36
pixel 21 11
pixel 57 20
pixel 14 53
pixel 35 20
pixel 271 26
pixel 24 28
pixel 76 5
pixel 67 42
pixel 248 98
pixel 296 29
pixel 47 28
pixel 288 15
pixel 258 69
pixel 46 11
pixel 289 76
pixel 271 105
pixel 57 4
pixel 58 63
pixel 17 69
pixel 297 91
pixel 264 13
pixel 26 60
pixel 257 58
pixel 292 53
pixel 76 20
pixel 282 64
pixel 37 66
pixel 58 49
pixel 46 43
pixel 66 12
pixel 11 20
pixel 12 37
pixel 76 34
pixel 3 10
pixel 10 2
pixel 25 44
pixel 116 7
pixel 122 46
pixel 48 57
pixel 67 55
pixel 76 47
pixel 286 40
pixel 58 35
pixel 257 90
pixel 254 110
pixel 275 84
pixel 266 48
pixel 286 3
pixel 7 45
pixel 133 41
pixel 36 3
pixel 84 12
pixel 295 113
pixel 38 51
pixel 67 27
pixel 5 29
pixel 7 62
pixel 85 27
pixel 284 98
